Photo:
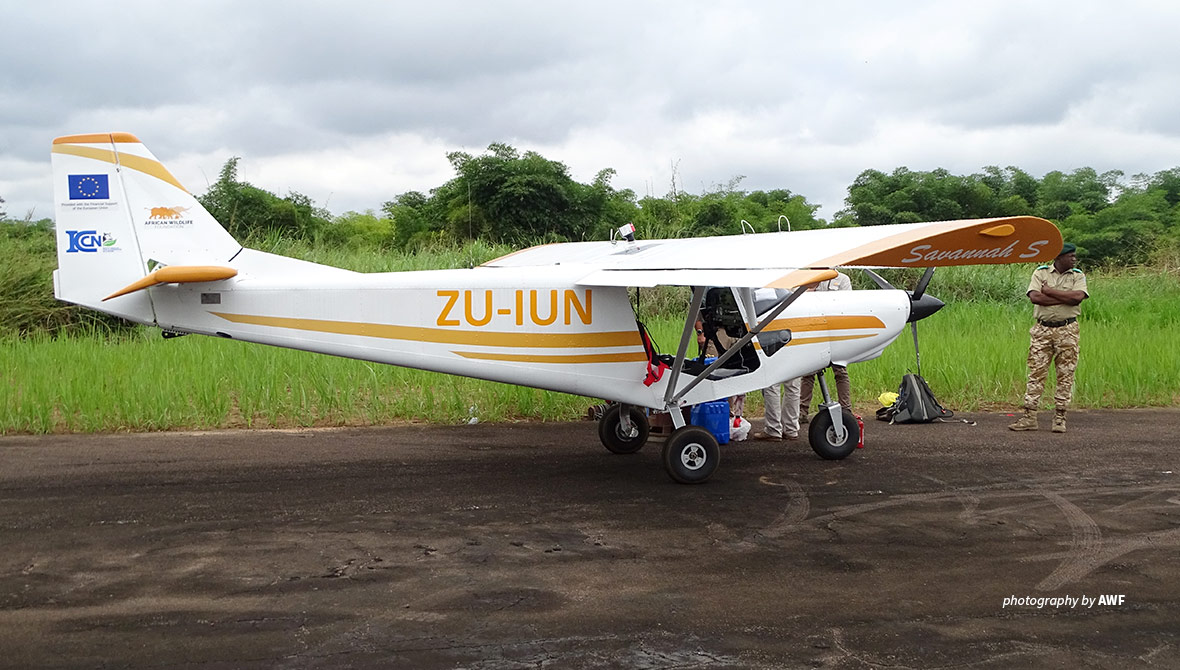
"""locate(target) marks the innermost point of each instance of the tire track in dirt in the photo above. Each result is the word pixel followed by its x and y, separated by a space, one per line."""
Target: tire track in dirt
pixel 1084 544
pixel 798 507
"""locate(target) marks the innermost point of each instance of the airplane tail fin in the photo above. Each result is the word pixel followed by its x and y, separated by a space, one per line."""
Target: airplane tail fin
pixel 120 216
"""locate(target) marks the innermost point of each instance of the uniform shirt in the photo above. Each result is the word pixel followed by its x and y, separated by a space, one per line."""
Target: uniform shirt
pixel 1070 280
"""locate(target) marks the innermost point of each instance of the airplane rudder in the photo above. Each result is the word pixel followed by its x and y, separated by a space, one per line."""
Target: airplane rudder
pixel 171 225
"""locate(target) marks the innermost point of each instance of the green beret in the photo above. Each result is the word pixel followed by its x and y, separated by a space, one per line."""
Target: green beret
pixel 1068 248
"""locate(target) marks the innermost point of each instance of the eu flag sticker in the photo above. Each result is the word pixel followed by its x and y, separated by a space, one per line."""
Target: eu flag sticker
pixel 89 187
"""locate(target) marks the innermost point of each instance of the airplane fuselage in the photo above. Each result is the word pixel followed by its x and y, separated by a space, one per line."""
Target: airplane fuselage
pixel 520 327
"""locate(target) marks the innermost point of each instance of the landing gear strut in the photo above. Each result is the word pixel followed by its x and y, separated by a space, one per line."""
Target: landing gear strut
pixel 834 431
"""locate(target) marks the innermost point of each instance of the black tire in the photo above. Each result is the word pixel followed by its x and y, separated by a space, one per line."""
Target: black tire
pixel 610 430
pixel 822 435
pixel 691 455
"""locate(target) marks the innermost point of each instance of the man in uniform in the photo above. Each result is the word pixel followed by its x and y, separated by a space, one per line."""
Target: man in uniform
pixel 1056 291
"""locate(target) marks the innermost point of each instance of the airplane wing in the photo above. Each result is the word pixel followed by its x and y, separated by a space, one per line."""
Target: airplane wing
pixel 779 260
pixel 751 278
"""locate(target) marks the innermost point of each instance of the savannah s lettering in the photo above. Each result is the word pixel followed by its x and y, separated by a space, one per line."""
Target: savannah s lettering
pixel 929 254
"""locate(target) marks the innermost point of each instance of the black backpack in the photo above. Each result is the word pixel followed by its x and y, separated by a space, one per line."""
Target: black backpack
pixel 915 403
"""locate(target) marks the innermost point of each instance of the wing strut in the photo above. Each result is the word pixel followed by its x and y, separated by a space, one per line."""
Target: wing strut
pixel 698 296
pixel 671 396
pixel 746 295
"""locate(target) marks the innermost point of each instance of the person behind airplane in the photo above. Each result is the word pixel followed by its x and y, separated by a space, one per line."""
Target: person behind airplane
pixel 780 402
pixel 1056 291
pixel 709 348
pixel 840 282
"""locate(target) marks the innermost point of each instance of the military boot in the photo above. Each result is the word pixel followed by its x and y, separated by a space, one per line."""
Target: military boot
pixel 1026 422
pixel 1059 421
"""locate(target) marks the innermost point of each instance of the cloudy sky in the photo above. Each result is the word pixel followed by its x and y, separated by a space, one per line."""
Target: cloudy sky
pixel 353 103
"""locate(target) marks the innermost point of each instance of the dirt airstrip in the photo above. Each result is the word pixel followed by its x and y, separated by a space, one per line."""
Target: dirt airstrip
pixel 529 545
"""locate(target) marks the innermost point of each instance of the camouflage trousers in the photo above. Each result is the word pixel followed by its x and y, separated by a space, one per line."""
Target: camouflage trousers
pixel 1045 346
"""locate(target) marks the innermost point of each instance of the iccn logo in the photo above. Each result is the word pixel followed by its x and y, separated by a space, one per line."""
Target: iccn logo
pixel 88 241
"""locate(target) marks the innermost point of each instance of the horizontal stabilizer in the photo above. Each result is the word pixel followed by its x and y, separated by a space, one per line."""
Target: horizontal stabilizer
pixel 177 274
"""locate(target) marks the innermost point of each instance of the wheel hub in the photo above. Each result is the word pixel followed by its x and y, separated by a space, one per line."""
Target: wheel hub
pixel 835 441
pixel 692 456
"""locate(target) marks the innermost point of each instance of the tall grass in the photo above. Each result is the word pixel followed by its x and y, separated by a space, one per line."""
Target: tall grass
pixel 973 354
pixel 143 382
pixel 973 351
pixel 27 304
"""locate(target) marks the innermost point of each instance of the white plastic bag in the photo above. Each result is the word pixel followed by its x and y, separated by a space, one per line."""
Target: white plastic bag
pixel 739 429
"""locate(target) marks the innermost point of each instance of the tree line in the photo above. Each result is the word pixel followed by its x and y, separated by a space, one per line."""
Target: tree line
pixel 1112 219
pixel 503 196
pixel 506 196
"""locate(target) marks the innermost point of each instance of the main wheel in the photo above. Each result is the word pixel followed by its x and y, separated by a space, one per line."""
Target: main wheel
pixel 615 438
pixel 691 455
pixel 822 435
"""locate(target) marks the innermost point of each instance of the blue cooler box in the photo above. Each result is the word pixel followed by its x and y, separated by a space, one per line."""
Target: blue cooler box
pixel 713 417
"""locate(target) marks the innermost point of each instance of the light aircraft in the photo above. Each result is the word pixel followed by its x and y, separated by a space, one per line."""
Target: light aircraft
pixel 131 241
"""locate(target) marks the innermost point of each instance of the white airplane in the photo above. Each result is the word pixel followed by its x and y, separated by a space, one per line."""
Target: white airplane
pixel 131 241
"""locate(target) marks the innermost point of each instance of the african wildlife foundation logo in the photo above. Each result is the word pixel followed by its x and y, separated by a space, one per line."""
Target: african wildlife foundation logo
pixel 167 217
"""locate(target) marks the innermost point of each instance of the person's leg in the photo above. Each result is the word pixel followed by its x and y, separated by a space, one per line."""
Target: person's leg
pixel 1040 353
pixel 1067 349
pixel 737 405
pixel 791 408
pixel 772 410
pixel 843 386
pixel 806 384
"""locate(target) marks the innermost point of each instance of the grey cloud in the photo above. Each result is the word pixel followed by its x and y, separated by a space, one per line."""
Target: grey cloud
pixel 814 92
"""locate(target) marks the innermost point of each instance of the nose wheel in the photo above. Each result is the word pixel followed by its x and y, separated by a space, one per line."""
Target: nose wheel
pixel 691 455
pixel 824 439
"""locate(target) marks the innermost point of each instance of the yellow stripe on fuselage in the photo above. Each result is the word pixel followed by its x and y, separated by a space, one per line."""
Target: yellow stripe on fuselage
pixel 543 340
pixel 813 323
pixel 442 335
pixel 826 338
pixel 625 357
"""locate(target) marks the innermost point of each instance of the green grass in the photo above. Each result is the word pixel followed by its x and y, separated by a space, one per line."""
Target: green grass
pixel 143 382
pixel 973 354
